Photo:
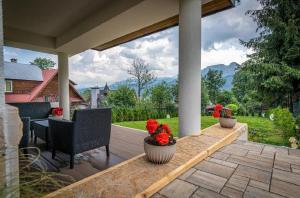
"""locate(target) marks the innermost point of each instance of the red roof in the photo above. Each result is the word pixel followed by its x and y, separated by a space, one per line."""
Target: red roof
pixel 48 75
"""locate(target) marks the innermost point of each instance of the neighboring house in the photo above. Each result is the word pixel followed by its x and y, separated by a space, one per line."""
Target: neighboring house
pixel 99 96
pixel 28 83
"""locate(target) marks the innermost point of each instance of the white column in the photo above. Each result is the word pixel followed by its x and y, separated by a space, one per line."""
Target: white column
pixel 63 84
pixel 189 67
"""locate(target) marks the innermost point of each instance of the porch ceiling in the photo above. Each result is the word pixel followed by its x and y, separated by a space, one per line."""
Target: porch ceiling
pixel 74 26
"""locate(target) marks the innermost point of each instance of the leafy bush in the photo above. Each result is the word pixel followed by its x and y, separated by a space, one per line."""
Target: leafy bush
pixel 297 121
pixel 233 107
pixel 284 121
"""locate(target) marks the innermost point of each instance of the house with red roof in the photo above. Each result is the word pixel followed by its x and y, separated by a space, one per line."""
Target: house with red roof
pixel 28 83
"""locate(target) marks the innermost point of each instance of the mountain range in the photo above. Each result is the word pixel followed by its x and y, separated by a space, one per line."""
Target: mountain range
pixel 228 73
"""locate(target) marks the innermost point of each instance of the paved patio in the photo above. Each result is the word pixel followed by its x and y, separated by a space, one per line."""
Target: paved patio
pixel 241 169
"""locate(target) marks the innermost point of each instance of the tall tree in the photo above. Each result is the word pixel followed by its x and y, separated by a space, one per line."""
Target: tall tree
pixel 142 75
pixel 43 63
pixel 122 97
pixel 204 96
pixel 275 64
pixel 161 95
pixel 214 82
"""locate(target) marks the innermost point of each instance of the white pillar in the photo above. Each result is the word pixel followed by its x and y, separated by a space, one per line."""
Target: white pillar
pixel 189 67
pixel 63 84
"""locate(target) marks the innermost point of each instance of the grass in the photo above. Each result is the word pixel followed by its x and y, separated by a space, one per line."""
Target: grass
pixel 260 129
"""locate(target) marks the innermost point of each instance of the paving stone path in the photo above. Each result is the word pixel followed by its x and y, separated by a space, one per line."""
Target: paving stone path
pixel 241 169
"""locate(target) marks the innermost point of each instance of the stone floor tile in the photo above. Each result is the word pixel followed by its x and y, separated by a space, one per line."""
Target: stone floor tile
pixel 237 182
pixel 252 192
pixel 222 162
pixel 260 158
pixel 282 165
pixel 260 185
pixel 205 193
pixel 286 176
pixel 251 146
pixel 288 158
pixel 294 152
pixel 187 174
pixel 295 169
pixel 178 189
pixel 254 163
pixel 214 168
pixel 156 195
pixel 253 173
pixel 207 180
pixel 234 149
pixel 254 153
pixel 220 155
pixel 241 142
pixel 232 193
pixel 285 189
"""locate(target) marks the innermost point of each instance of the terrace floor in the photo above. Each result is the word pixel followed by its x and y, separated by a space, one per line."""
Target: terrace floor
pixel 241 169
pixel 125 143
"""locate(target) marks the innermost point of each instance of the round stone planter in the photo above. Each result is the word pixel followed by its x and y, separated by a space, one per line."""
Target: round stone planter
pixel 159 154
pixel 227 122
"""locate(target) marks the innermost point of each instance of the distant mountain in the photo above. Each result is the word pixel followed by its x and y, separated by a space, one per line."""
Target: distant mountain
pixel 228 72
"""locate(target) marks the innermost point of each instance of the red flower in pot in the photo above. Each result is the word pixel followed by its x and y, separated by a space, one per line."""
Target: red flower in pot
pixel 159 146
pixel 57 112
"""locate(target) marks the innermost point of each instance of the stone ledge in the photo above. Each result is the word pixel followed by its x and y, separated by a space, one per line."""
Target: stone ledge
pixel 138 178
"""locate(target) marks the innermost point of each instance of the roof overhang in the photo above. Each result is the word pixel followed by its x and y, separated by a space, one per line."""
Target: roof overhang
pixel 75 26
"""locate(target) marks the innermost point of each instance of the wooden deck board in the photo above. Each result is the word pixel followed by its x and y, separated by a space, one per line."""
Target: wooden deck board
pixel 125 143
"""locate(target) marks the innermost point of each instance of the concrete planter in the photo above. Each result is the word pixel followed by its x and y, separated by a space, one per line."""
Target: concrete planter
pixel 227 122
pixel 159 154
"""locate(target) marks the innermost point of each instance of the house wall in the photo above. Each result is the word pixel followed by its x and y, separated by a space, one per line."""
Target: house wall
pixel 24 86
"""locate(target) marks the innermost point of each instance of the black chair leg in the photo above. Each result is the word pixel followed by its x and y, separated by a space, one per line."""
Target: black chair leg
pixel 107 150
pixel 71 161
pixel 35 140
pixel 31 134
pixel 53 153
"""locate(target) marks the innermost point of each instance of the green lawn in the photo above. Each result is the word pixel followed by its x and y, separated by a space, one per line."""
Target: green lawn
pixel 260 129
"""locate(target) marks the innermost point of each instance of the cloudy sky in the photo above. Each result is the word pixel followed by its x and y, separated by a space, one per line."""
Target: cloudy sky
pixel 220 45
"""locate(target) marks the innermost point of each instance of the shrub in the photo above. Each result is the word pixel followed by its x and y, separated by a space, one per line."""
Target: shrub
pixel 284 121
pixel 233 107
pixel 297 121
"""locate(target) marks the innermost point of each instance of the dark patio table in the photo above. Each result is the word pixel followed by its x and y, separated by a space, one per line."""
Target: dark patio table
pixel 41 131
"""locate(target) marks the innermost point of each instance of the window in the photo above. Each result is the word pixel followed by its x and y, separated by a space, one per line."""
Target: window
pixel 8 86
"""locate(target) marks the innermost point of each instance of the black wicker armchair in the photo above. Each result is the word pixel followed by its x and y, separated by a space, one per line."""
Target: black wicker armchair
pixel 89 129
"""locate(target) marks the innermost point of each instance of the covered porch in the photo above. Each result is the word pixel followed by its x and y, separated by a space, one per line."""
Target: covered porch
pixel 66 28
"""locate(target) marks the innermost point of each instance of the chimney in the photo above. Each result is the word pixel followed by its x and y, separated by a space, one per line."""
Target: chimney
pixel 94 97
pixel 13 60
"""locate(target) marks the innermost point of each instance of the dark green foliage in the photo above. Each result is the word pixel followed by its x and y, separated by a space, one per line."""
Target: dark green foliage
pixel 43 63
pixel 161 96
pixel 226 97
pixel 284 121
pixel 297 121
pixel 214 81
pixel 141 111
pixel 122 97
pixel 273 69
pixel 204 96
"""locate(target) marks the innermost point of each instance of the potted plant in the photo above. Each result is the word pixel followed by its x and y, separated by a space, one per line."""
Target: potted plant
pixel 225 115
pixel 57 112
pixel 160 145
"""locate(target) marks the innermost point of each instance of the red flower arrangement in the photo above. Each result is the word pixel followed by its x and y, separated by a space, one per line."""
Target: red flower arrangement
pixel 159 134
pixel 221 112
pixel 57 111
